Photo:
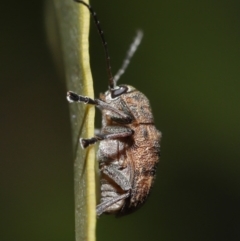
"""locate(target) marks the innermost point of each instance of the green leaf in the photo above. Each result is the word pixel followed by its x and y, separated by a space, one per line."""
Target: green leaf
pixel 73 21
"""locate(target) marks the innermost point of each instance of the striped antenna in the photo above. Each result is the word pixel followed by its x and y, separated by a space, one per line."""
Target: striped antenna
pixel 133 47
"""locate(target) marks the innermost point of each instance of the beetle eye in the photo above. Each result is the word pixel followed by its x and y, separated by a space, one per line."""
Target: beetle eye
pixel 117 92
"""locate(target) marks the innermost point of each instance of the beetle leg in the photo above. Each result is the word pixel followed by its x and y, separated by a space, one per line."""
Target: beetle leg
pixel 113 172
pixel 109 132
pixel 73 97
pixel 124 116
pixel 101 208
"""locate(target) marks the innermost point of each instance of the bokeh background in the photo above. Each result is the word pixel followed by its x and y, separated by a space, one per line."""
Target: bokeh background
pixel 188 66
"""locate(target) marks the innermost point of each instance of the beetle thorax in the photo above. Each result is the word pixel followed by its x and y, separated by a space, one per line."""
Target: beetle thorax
pixel 133 101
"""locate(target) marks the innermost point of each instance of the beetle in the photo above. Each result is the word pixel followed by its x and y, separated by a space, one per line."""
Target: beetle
pixel 129 148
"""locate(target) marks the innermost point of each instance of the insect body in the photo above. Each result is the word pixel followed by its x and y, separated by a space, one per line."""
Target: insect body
pixel 129 142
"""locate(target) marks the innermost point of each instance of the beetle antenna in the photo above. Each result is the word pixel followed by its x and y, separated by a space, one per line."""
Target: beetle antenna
pixel 100 31
pixel 133 47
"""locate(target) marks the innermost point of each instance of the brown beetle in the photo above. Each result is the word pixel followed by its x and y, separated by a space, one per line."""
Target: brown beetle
pixel 129 147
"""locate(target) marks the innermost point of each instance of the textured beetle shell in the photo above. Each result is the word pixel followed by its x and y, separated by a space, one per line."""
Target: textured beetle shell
pixel 135 156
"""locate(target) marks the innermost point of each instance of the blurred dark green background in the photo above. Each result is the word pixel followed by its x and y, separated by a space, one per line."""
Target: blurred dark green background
pixel 188 66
